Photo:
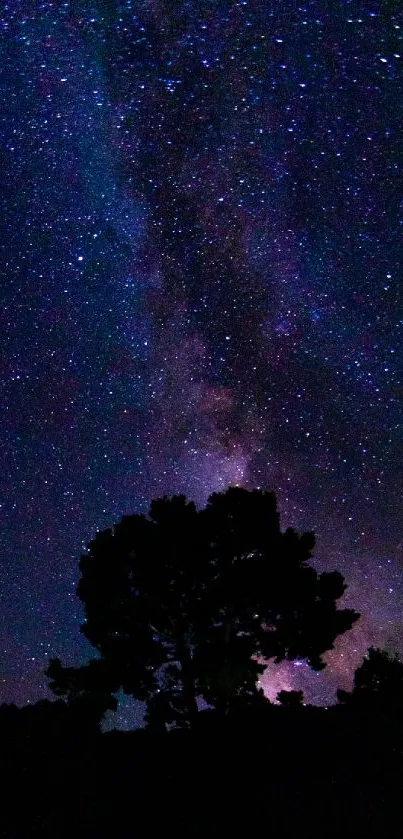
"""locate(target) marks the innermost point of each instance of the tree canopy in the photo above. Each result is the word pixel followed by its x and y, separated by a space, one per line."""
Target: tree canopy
pixel 187 604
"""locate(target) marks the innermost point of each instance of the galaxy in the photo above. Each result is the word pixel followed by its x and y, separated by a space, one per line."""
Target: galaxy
pixel 200 233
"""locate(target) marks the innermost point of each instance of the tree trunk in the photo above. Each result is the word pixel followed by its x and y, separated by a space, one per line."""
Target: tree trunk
pixel 189 685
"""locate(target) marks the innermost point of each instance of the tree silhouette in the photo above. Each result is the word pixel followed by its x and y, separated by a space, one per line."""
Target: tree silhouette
pixel 183 604
pixel 378 683
pixel 290 698
pixel 89 690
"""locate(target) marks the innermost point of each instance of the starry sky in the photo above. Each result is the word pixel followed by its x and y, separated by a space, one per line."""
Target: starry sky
pixel 200 230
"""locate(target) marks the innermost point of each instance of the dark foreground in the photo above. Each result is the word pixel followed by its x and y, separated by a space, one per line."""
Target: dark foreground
pixel 303 772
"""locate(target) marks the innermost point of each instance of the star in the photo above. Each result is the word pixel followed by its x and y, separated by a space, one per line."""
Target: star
pixel 201 257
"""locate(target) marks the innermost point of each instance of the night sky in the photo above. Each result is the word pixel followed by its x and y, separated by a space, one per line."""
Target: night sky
pixel 201 225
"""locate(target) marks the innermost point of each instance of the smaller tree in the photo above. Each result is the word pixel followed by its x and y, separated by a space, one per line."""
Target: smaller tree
pixel 88 691
pixel 290 698
pixel 378 683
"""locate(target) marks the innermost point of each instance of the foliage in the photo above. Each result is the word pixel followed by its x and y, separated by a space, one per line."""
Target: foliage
pixel 378 683
pixel 186 604
pixel 89 690
pixel 290 698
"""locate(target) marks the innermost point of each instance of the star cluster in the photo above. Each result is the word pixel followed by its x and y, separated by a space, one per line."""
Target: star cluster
pixel 200 232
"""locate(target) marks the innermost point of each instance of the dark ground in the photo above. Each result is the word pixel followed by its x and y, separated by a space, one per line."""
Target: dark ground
pixel 304 772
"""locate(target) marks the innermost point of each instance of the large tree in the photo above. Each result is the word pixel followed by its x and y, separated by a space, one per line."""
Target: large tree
pixel 184 604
